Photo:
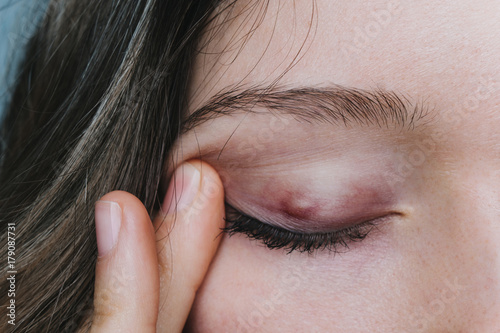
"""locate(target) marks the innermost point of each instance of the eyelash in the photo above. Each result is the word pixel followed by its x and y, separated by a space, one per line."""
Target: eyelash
pixel 279 238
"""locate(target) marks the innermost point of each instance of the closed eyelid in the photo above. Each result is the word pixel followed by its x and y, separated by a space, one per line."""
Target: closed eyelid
pixel 321 203
pixel 280 238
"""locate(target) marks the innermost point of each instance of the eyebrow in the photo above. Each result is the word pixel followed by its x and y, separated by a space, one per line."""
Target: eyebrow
pixel 336 105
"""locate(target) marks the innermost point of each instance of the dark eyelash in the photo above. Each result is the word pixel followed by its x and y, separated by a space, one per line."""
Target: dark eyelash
pixel 278 238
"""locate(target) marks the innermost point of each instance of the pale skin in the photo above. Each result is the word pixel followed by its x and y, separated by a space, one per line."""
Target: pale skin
pixel 432 267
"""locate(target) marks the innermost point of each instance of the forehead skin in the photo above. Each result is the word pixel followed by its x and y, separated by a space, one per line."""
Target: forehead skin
pixel 440 51
pixel 441 269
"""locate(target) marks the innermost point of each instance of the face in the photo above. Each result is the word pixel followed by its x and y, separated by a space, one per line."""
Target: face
pixel 359 148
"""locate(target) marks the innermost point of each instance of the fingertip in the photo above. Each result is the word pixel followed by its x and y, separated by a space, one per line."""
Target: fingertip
pixel 208 172
pixel 127 278
pixel 211 195
pixel 108 217
pixel 129 203
pixel 187 243
pixel 134 213
pixel 194 185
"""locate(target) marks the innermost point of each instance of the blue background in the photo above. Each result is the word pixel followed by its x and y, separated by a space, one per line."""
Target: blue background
pixel 18 20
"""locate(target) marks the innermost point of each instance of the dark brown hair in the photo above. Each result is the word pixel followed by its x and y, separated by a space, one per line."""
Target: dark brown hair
pixel 96 107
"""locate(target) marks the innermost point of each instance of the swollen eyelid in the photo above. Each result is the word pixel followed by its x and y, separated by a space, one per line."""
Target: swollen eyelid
pixel 313 208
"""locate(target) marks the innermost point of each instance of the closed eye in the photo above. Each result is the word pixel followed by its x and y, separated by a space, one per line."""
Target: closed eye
pixel 279 238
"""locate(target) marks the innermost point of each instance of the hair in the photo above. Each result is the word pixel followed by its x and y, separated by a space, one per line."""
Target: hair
pixel 97 105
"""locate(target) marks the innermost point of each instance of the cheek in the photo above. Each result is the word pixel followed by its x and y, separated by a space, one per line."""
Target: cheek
pixel 236 294
pixel 252 289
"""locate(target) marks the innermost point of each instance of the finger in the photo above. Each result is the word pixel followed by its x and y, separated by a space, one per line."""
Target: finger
pixel 127 279
pixel 187 239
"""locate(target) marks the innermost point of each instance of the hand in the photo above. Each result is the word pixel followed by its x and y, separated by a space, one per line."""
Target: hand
pixel 146 281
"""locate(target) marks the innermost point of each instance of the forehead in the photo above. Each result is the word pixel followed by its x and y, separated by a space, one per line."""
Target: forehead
pixel 440 51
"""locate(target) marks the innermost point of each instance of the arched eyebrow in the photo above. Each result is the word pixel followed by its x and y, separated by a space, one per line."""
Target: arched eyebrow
pixel 336 105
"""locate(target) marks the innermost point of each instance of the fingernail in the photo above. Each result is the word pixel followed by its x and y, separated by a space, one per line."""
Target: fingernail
pixel 183 188
pixel 108 220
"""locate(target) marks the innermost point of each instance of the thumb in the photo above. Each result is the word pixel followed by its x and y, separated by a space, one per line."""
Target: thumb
pixel 127 281
pixel 187 239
